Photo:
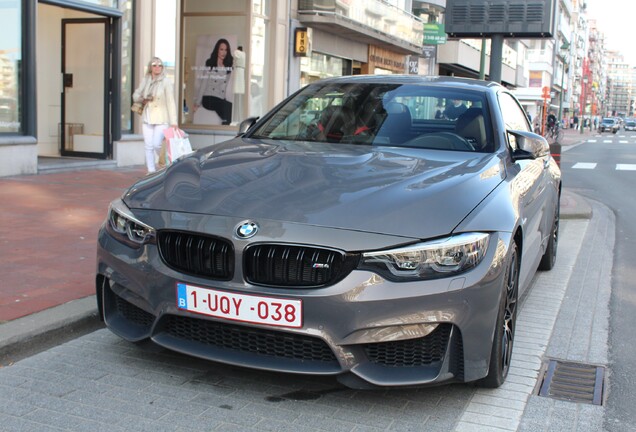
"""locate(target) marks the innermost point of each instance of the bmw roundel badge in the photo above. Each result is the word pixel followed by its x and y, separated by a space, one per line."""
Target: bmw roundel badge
pixel 246 230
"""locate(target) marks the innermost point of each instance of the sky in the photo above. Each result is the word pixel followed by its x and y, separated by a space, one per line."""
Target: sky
pixel 616 19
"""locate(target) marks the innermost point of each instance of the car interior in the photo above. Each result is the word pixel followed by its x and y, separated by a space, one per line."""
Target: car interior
pixel 378 116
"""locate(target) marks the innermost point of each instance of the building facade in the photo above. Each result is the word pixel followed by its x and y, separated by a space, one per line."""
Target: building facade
pixel 68 68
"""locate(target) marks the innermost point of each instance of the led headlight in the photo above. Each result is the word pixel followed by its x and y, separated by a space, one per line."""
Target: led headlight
pixel 125 227
pixel 428 260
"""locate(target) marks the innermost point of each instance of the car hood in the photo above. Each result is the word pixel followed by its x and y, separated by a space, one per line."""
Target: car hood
pixel 398 191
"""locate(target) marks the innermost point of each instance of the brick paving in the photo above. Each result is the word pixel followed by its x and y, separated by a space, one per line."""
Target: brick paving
pixel 48 234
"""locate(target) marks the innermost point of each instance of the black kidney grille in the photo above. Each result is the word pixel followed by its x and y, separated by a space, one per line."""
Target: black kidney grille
pixel 134 314
pixel 249 340
pixel 296 266
pixel 411 352
pixel 196 254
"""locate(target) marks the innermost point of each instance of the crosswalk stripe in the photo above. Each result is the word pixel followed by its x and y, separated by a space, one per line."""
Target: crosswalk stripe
pixel 584 165
pixel 626 167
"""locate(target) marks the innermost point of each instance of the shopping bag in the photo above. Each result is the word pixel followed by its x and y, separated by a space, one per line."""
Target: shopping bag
pixel 161 162
pixel 177 144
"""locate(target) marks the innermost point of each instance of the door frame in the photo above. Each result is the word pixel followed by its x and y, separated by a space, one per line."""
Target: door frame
pixel 106 121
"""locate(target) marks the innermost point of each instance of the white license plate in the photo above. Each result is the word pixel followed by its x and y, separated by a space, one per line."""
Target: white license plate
pixel 240 307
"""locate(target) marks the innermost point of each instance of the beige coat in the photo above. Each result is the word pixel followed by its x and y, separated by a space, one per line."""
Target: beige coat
pixel 163 107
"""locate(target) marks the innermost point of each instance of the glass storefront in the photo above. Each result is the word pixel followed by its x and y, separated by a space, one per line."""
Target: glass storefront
pixel 319 66
pixel 10 66
pixel 225 61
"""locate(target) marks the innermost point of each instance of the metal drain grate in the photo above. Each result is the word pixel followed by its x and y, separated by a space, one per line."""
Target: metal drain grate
pixel 575 382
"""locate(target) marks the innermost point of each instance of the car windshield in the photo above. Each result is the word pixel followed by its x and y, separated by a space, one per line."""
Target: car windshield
pixel 607 120
pixel 402 115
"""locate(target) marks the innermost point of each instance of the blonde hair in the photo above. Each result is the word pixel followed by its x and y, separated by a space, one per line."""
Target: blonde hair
pixel 155 60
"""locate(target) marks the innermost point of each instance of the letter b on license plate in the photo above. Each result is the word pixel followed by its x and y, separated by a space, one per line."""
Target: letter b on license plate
pixel 240 307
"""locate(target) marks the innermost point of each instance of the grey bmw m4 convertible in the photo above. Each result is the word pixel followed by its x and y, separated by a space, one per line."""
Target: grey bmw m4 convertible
pixel 380 229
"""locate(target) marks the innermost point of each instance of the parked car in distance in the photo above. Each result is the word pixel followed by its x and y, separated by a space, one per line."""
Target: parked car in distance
pixel 630 125
pixel 382 243
pixel 609 124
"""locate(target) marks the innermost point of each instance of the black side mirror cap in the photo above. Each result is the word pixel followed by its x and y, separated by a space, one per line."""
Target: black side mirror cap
pixel 246 124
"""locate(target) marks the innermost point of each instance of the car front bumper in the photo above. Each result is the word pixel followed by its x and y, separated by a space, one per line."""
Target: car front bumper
pixel 365 329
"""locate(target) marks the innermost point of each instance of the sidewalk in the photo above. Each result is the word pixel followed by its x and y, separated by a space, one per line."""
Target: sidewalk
pixel 48 232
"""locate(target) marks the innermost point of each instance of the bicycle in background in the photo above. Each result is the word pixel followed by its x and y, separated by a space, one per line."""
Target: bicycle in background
pixel 554 132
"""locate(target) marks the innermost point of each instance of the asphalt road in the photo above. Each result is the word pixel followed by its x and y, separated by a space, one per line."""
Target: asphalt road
pixel 604 169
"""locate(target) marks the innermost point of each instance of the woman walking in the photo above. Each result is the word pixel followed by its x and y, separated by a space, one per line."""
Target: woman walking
pixel 156 93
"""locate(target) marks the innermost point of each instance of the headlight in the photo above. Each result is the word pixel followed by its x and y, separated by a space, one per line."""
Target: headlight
pixel 125 227
pixel 429 260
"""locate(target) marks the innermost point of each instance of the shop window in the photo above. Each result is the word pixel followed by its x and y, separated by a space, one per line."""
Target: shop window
pixel 216 57
pixel 10 67
pixel 320 66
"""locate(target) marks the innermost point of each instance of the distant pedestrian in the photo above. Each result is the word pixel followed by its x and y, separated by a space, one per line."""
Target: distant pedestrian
pixel 156 93
pixel 576 122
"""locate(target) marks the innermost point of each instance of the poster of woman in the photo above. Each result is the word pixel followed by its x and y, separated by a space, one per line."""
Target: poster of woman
pixel 214 80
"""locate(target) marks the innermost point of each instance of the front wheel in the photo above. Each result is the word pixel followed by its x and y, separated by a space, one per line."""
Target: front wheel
pixel 501 352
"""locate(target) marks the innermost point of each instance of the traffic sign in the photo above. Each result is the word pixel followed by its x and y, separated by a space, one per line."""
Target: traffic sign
pixel 545 92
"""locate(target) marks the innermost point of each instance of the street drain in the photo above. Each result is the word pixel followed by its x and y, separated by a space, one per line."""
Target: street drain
pixel 575 382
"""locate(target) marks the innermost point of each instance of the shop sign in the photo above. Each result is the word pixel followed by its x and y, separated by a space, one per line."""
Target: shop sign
pixel 386 59
pixel 414 65
pixel 302 42
pixel 434 34
pixel 428 52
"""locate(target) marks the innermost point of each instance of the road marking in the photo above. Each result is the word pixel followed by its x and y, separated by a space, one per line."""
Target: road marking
pixel 607 141
pixel 584 165
pixel 626 167
pixel 591 140
pixel 623 141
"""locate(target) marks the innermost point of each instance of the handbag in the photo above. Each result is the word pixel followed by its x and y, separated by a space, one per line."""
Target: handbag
pixel 137 108
pixel 177 144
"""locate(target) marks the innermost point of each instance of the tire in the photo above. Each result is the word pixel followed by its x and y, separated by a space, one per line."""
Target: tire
pixel 549 256
pixel 559 137
pixel 503 341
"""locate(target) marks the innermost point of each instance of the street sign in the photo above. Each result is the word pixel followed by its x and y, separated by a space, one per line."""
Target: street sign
pixel 546 93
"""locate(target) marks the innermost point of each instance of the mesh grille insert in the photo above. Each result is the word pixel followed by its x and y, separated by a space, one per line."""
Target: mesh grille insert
pixel 411 352
pixel 249 340
pixel 133 314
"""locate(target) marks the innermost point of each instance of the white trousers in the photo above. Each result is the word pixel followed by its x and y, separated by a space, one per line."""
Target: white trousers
pixel 153 135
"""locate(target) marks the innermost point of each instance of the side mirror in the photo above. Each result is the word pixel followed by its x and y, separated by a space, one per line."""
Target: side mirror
pixel 246 124
pixel 529 145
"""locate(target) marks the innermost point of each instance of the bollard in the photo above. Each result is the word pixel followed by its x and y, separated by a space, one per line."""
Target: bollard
pixel 555 151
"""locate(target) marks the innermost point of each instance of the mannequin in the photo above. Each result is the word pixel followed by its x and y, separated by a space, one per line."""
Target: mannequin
pixel 239 83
